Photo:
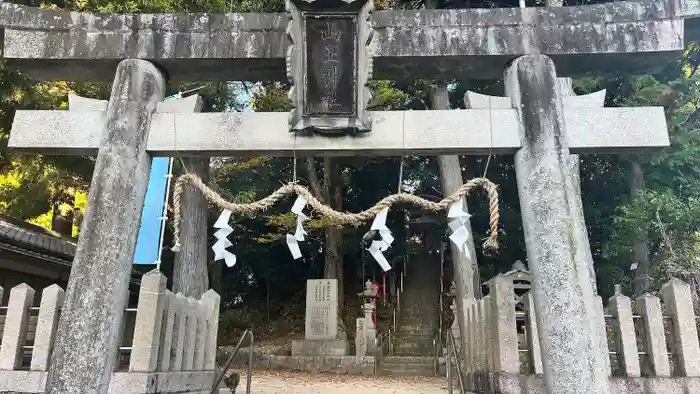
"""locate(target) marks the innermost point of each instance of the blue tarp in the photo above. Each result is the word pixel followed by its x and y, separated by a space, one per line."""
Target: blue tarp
pixel 148 240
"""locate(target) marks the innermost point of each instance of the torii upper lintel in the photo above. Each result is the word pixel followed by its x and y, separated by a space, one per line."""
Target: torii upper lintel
pixel 628 36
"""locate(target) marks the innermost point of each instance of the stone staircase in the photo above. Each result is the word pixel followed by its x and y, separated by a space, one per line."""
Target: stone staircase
pixel 414 344
pixel 406 366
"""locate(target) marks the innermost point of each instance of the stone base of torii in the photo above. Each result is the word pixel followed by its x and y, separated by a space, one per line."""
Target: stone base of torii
pixel 540 127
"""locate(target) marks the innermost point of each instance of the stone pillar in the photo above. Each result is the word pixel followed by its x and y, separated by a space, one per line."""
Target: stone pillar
pixel 190 334
pixel 602 335
pixel 370 329
pixel 679 305
pixel 14 333
pixel 504 331
pixel 533 340
pixel 592 100
pixel 47 322
pixel 621 310
pixel 649 308
pixel 562 289
pixel 179 306
pixel 149 318
pixel 87 342
pixel 213 301
pixel 166 332
pixel 360 337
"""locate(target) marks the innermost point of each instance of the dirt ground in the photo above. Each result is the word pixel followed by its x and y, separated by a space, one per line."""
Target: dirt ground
pixel 305 383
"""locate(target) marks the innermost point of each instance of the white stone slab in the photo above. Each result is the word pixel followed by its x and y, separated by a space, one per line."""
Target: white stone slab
pixel 466 132
pixel 321 321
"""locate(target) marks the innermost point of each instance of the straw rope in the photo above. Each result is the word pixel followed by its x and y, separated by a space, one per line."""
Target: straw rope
pixel 353 219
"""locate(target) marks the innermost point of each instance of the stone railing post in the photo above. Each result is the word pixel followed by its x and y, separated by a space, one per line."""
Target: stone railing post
pixel 484 344
pixel 677 298
pixel 166 332
pixel 654 342
pixel 620 307
pixel 503 328
pixel 149 317
pixel 190 334
pixel 213 301
pixel 201 338
pixel 14 334
pixel 179 332
pixel 47 322
pixel 533 341
pixel 470 322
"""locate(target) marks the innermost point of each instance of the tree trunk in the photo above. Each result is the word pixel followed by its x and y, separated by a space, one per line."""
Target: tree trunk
pixel 62 222
pixel 640 252
pixel 331 192
pixel 190 271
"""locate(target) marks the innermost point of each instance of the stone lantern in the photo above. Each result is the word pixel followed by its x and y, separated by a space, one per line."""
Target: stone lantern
pixel 366 332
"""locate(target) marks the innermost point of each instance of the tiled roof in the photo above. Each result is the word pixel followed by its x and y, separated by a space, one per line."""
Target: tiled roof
pixel 27 235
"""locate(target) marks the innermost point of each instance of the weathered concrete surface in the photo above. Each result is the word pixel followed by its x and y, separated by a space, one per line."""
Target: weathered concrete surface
pixel 87 342
pixel 161 382
pixel 563 292
pixel 593 39
pixel 464 132
pixel 523 384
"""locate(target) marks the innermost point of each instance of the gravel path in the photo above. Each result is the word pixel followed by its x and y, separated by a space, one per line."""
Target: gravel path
pixel 305 383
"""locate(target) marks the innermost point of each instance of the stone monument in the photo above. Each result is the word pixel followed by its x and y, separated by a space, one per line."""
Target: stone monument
pixel 321 321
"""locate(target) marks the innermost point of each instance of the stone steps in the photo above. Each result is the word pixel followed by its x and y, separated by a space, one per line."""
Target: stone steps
pixel 406 366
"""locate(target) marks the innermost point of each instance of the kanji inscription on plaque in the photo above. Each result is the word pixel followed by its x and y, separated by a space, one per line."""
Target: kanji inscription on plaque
pixel 330 65
pixel 321 309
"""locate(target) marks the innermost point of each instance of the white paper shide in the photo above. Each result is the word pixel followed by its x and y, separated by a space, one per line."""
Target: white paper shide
pixel 219 247
pixel 299 233
pixel 381 245
pixel 458 218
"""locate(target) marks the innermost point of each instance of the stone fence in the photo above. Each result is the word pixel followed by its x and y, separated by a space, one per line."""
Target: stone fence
pixel 168 341
pixel 652 342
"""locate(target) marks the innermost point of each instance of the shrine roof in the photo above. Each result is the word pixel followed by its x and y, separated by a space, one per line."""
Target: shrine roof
pixel 619 37
pixel 27 235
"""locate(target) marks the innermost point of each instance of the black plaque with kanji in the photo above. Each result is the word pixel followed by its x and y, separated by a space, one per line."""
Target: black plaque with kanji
pixel 330 65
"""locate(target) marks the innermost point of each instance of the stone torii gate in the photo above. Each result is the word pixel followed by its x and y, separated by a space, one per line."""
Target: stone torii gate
pixel 137 52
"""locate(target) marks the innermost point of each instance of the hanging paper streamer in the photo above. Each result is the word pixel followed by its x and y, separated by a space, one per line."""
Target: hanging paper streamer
pixel 219 247
pixel 379 224
pixel 376 251
pixel 379 246
pixel 459 218
pixel 299 233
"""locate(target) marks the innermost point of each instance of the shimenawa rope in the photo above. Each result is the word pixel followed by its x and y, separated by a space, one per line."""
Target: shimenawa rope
pixel 353 219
